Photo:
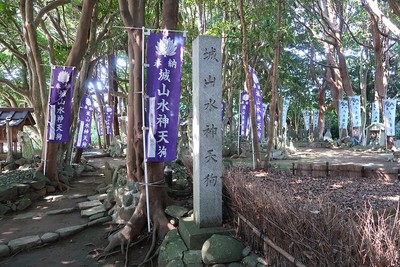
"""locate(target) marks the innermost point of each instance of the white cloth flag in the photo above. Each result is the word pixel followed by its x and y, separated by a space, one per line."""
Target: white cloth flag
pixel 343 114
pixel 315 118
pixel 355 109
pixel 306 117
pixel 375 112
pixel 285 108
pixel 389 106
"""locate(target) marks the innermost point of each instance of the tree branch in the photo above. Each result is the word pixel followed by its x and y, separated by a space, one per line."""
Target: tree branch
pixel 48 8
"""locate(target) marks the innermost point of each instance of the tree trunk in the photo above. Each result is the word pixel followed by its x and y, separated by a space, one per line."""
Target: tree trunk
pixel 274 87
pixel 134 16
pixel 50 154
pixel 249 89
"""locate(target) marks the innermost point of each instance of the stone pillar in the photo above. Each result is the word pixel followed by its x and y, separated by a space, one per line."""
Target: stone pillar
pixel 207 139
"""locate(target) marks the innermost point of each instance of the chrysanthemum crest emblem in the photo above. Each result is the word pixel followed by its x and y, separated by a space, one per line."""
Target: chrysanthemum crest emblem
pixel 166 47
pixel 63 76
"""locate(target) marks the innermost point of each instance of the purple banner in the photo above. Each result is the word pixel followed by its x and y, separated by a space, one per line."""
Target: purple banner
pixel 85 123
pixel 59 114
pixel 244 112
pixel 164 56
pixel 258 104
pixel 109 119
pixel 99 125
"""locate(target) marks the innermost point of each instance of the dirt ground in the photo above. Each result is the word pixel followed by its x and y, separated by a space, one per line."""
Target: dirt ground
pixel 78 250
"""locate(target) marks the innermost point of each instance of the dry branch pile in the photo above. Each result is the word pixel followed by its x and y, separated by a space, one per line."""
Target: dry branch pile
pixel 319 221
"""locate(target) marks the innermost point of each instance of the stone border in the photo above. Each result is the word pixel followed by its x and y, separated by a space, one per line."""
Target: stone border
pixel 316 170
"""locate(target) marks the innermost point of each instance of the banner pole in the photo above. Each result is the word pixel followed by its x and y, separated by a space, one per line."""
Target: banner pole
pixel 146 178
pixel 47 123
pixel 239 127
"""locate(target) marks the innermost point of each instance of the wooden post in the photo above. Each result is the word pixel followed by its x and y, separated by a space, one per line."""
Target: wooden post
pixel 10 157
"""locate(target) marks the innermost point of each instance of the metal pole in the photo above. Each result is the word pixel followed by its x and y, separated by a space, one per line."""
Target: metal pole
pixel 252 144
pixel 146 178
pixel 239 125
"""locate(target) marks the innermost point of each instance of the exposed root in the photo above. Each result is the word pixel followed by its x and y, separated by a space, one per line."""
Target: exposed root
pixel 61 186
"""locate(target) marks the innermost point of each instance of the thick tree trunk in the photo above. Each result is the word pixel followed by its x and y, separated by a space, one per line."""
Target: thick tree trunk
pixel 134 16
pixel 249 89
pixel 50 154
pixel 274 87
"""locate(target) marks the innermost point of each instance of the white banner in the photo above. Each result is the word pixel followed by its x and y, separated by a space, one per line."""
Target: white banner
pixel 343 114
pixel 285 108
pixel 315 118
pixel 306 117
pixel 389 107
pixel 375 111
pixel 355 109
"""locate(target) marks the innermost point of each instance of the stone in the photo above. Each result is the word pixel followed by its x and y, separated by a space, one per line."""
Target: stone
pixel 42 192
pixel 171 248
pixel 207 133
pixel 79 169
pixel 250 260
pixel 195 236
pixel 176 263
pixel 127 199
pixel 108 173
pixel 50 189
pixel 235 264
pixel 96 216
pixel 125 213
pixel 39 176
pixel 100 221
pixel 91 211
pixel 49 237
pixel 99 197
pixel 60 211
pixel 89 204
pixel 4 209
pixel 8 193
pixel 176 211
pixel 221 249
pixel 26 144
pixel 23 203
pixel 107 204
pixel 38 185
pixel 24 243
pixel 76 196
pixel 246 251
pixel 4 250
pixel 22 188
pixel 192 258
pixel 11 166
pixel 67 231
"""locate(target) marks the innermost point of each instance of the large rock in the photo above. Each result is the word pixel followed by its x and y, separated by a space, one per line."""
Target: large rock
pixel 8 193
pixel 4 209
pixel 24 243
pixel 192 258
pixel 4 250
pixel 176 211
pixel 172 248
pixel 221 249
pixel 23 203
